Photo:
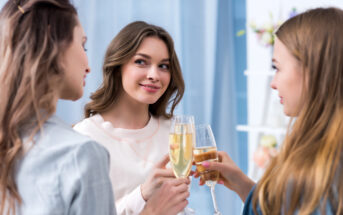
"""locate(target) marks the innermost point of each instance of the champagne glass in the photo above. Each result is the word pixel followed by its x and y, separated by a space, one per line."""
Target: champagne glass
pixel 206 150
pixel 181 143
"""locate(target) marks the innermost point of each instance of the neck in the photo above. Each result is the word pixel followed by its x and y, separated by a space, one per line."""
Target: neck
pixel 128 115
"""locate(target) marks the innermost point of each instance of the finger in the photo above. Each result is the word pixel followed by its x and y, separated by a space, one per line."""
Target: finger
pixel 177 181
pixel 179 207
pixel 192 173
pixel 181 188
pixel 164 173
pixel 214 166
pixel 163 162
pixel 196 175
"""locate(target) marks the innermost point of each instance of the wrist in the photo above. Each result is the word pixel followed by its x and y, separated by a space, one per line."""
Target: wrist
pixel 245 184
pixel 147 210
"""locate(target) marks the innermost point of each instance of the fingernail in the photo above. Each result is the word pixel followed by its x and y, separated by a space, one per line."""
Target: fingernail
pixel 205 164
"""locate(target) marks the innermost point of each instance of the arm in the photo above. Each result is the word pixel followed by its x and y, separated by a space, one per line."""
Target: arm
pixel 134 202
pixel 91 188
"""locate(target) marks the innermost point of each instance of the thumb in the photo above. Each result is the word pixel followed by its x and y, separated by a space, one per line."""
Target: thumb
pixel 163 162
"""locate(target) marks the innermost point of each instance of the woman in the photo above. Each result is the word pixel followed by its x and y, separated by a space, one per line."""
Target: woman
pixel 45 166
pixel 129 113
pixel 307 176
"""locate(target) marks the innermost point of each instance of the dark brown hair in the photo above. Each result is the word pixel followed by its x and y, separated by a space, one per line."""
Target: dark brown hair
pixel 121 50
pixel 33 34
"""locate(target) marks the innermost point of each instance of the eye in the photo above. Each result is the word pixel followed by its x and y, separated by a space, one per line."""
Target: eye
pixel 84 47
pixel 164 66
pixel 275 68
pixel 140 62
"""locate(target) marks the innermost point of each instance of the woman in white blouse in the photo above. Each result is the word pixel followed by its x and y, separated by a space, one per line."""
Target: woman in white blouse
pixel 129 113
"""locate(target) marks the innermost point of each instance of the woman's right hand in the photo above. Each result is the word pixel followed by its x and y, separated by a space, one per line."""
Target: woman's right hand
pixel 230 175
pixel 169 199
pixel 158 175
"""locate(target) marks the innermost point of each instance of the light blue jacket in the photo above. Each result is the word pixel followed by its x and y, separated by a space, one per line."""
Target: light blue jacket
pixel 64 173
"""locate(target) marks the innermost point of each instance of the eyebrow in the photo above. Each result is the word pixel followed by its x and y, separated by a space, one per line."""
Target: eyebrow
pixel 148 57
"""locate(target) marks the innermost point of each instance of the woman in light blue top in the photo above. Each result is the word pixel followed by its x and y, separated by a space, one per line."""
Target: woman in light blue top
pixel 45 166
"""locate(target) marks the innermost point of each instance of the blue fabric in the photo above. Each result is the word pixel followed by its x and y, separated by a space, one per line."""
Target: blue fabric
pixel 248 207
pixel 64 172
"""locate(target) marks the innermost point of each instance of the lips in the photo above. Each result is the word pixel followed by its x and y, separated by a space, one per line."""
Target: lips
pixel 150 87
pixel 281 99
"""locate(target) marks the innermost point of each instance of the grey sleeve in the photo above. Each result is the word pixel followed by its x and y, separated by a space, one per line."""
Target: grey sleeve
pixel 91 190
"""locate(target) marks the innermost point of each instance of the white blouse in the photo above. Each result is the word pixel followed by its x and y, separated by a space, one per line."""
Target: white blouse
pixel 133 153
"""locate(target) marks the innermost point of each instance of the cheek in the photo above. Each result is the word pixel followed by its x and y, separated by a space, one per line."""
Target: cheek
pixel 166 79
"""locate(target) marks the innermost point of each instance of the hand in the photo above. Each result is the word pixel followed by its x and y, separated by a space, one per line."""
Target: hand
pixel 169 199
pixel 230 175
pixel 158 175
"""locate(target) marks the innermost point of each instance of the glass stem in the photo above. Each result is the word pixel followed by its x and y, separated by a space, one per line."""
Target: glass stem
pixel 216 212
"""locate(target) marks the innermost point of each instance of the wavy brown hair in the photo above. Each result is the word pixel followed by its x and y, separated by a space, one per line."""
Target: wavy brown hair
pixel 308 173
pixel 122 48
pixel 33 34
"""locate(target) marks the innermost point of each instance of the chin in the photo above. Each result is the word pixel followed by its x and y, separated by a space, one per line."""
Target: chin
pixel 73 96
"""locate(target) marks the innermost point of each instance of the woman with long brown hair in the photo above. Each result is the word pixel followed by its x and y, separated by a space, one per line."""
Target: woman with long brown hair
pixel 129 113
pixel 46 167
pixel 306 177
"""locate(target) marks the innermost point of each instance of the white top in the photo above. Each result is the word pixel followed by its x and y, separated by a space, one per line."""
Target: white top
pixel 133 152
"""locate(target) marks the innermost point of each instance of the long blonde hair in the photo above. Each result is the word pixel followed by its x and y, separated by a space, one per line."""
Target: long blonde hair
pixel 308 172
pixel 122 48
pixel 32 35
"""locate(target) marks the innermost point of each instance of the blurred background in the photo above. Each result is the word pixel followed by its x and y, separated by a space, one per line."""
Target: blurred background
pixel 225 49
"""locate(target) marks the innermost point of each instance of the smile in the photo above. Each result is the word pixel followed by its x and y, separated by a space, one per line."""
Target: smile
pixel 150 88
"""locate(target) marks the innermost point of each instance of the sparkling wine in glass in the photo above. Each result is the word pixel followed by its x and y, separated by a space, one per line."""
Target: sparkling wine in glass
pixel 181 143
pixel 206 150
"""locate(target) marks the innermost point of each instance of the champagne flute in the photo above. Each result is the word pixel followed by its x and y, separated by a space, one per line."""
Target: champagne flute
pixel 206 150
pixel 181 143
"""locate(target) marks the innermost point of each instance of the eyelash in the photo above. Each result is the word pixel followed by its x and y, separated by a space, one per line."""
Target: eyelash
pixel 84 47
pixel 140 62
pixel 274 67
pixel 166 66
pixel 143 62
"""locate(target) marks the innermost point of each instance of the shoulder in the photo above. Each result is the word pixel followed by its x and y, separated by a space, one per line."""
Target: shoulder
pixel 86 125
pixel 58 136
pixel 248 206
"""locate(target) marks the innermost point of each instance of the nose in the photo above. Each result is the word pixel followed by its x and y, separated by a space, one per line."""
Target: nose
pixel 153 73
pixel 273 83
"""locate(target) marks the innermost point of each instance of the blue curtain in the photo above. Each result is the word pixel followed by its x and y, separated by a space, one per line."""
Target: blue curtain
pixel 212 59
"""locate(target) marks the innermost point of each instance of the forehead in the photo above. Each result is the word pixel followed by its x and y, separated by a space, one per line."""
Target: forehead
pixel 282 53
pixel 153 44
